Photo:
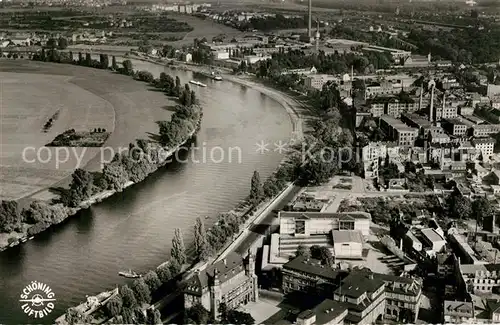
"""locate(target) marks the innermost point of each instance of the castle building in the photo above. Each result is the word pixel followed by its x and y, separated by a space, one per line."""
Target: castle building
pixel 231 281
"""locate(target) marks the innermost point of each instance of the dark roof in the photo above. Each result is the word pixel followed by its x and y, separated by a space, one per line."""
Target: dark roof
pixel 313 267
pixel 312 215
pixel 359 282
pixel 226 269
pixel 328 310
pixel 492 267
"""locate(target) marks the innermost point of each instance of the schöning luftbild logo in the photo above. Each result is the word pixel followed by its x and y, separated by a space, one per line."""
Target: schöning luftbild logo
pixel 37 299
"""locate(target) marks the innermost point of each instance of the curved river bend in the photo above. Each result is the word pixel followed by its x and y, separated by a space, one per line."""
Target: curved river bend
pixel 134 229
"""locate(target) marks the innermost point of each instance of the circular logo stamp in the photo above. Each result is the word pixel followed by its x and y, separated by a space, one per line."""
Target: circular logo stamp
pixel 37 299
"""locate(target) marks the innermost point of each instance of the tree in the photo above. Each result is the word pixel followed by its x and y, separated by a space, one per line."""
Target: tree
pixel 197 314
pixel 459 206
pixel 62 43
pixel 200 240
pixel 128 297
pixel 323 254
pixel 74 316
pixel 127 67
pixel 163 272
pixel 152 280
pixel 481 210
pixel 10 217
pixel 51 43
pixel 303 251
pixel 178 251
pixel 154 317
pixel 81 188
pixel 114 66
pixel 141 291
pixel 128 316
pixel 239 317
pixel 255 188
pixel 114 306
pixel 174 266
pixel 177 86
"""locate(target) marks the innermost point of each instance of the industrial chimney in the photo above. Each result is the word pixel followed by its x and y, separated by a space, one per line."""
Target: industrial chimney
pixel 309 21
pixel 317 36
pixel 432 85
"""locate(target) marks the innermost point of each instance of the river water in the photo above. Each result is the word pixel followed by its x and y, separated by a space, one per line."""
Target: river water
pixel 133 229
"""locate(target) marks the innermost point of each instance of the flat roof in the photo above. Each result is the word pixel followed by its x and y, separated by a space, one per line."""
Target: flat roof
pixel 312 266
pixel 397 124
pixel 325 215
pixel 346 236
pixel 431 235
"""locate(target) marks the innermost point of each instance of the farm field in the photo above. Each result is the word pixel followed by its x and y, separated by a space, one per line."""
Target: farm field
pixel 86 99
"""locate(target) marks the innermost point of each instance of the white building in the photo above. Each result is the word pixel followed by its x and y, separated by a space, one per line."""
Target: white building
pixel 485 146
pixel 310 223
pixel 347 244
pixel 433 239
pixel 251 59
pixel 316 81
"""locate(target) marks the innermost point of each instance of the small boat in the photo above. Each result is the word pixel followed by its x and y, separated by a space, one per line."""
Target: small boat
pixel 218 78
pixel 194 82
pixel 129 274
pixel 31 237
pixel 24 239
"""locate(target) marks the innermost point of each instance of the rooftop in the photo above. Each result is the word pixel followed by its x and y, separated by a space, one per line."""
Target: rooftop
pixel 431 235
pixel 346 236
pixel 324 215
pixel 313 267
pixel 397 124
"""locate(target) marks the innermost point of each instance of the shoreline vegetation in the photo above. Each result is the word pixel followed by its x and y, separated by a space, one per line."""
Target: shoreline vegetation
pixel 136 305
pixel 127 168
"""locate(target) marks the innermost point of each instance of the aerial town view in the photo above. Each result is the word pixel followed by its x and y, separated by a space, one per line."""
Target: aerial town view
pixel 249 162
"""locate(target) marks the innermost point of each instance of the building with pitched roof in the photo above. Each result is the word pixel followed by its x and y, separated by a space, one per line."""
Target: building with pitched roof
pixel 365 294
pixel 457 312
pixel 231 281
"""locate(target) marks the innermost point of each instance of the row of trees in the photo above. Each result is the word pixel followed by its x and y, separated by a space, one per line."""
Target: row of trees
pixel 142 159
pixel 197 314
pixel 130 305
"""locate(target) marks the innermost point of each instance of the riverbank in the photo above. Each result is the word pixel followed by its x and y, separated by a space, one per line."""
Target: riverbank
pixel 27 231
pixel 290 104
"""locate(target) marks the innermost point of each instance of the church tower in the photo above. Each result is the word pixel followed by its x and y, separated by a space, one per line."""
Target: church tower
pixel 251 274
pixel 215 294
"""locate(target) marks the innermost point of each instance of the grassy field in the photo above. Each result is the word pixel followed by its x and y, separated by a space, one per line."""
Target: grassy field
pixel 86 99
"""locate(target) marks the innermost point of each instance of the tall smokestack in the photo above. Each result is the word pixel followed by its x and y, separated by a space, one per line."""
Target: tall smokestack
pixel 309 21
pixel 431 110
pixel 421 98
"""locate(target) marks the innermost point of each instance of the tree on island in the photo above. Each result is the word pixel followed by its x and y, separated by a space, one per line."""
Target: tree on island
pixel 9 216
pixel 128 297
pixel 200 240
pixel 127 67
pixel 255 188
pixel 114 66
pixel 178 251
pixel 177 86
pixel 62 43
pixel 81 188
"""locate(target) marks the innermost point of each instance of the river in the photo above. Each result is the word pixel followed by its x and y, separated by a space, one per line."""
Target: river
pixel 133 229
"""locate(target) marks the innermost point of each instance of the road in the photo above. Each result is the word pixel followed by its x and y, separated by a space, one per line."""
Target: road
pixel 257 230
